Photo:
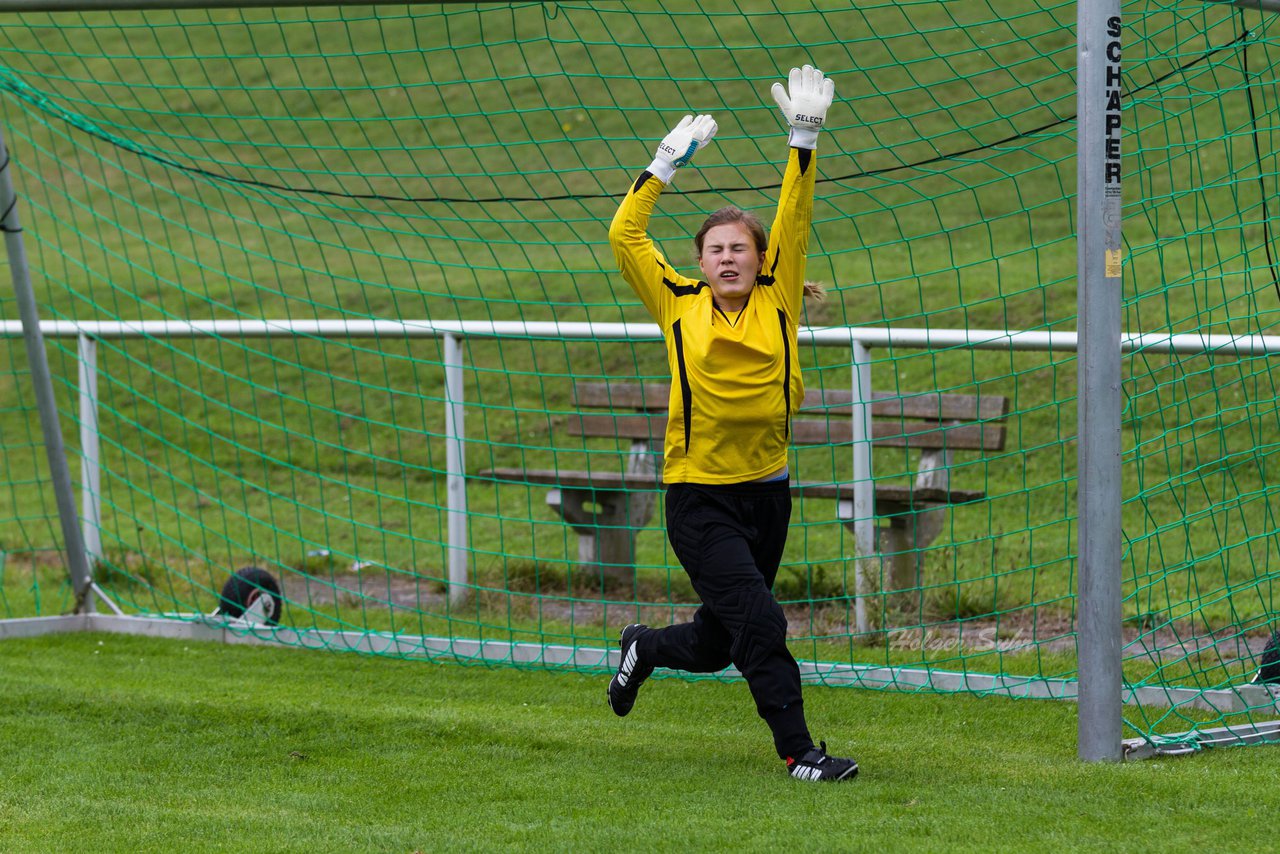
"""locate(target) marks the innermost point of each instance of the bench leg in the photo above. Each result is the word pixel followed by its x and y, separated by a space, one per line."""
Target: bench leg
pixel 606 522
pixel 900 546
pixel 902 568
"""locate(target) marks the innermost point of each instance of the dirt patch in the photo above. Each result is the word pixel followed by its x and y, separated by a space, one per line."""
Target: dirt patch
pixel 1020 631
pixel 371 588
pixel 1024 630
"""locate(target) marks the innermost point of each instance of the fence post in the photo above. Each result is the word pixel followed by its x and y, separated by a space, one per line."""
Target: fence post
pixel 456 463
pixel 90 445
pixel 42 384
pixel 864 488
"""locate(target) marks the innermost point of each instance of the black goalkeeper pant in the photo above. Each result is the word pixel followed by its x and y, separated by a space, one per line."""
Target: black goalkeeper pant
pixel 729 538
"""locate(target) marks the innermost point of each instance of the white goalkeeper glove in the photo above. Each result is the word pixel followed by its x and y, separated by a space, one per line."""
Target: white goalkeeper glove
pixel 804 104
pixel 677 148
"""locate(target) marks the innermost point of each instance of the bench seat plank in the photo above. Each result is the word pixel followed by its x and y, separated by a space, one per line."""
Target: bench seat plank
pixel 903 494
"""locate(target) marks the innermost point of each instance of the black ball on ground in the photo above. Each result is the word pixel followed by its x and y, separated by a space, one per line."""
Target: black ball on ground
pixel 245 588
pixel 1269 672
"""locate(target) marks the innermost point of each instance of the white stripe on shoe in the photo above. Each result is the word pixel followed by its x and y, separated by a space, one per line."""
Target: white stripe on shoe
pixel 628 665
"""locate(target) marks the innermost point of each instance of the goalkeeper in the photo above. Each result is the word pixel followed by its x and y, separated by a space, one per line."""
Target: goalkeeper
pixel 731 346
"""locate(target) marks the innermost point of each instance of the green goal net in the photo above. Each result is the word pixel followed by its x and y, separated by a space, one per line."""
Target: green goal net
pixel 415 391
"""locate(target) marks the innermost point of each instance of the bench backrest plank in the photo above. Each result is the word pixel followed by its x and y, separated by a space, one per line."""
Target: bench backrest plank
pixel 934 406
pixel 931 405
pixel 812 431
pixel 622 395
pixel 933 420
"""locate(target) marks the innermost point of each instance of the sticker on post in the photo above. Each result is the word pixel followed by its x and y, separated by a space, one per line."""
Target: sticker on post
pixel 1113 263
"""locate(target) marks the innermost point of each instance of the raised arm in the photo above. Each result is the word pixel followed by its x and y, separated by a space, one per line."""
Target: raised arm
pixel 804 103
pixel 639 260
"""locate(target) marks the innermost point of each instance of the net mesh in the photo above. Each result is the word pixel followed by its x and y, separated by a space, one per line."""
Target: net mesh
pixel 462 164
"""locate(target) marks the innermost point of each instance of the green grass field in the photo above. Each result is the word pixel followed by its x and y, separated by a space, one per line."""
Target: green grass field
pixel 129 744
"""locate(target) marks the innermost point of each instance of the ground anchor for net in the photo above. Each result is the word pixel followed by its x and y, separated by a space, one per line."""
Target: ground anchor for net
pixel 1185 744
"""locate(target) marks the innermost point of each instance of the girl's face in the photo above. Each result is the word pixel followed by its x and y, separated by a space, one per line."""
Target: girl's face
pixel 730 261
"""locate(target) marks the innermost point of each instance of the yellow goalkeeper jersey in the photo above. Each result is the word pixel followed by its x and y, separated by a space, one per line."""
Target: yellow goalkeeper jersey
pixel 735 379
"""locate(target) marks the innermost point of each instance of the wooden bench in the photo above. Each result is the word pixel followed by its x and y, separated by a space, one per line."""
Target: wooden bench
pixel 607 504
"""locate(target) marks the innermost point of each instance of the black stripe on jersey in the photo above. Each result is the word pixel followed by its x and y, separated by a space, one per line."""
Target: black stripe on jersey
pixel 686 393
pixel 786 375
pixel 681 290
pixel 806 155
pixel 763 278
pixel 641 181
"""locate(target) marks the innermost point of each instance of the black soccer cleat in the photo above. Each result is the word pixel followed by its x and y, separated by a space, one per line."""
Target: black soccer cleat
pixel 817 767
pixel 631 674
